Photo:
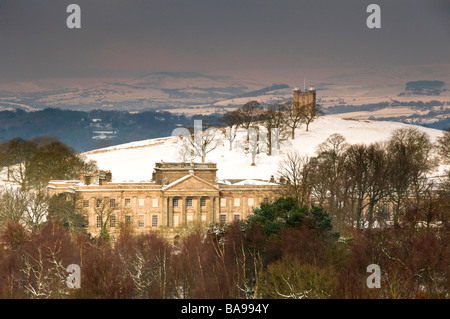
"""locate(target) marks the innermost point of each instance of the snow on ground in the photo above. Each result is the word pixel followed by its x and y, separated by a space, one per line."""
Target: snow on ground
pixel 135 161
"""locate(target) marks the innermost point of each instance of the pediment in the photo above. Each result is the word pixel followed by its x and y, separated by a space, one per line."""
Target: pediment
pixel 190 183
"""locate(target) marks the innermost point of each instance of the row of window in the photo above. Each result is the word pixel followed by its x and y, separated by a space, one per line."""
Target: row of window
pixel 188 202
pixel 112 202
pixel 237 202
pixel 140 222
pixel 141 202
pixel 223 218
pixel 223 202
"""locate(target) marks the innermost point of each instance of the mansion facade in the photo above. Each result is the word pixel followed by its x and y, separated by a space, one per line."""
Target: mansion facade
pixel 178 195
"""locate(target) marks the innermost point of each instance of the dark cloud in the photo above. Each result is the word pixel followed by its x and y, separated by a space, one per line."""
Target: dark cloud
pixel 133 37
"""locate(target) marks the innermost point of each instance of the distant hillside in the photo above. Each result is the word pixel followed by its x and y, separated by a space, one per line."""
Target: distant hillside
pixel 158 91
pixel 265 90
pixel 134 161
pixel 423 87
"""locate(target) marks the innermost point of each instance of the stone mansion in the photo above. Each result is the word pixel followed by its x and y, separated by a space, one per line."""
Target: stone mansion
pixel 178 195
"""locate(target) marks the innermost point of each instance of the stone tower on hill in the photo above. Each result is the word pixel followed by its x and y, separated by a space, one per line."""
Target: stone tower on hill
pixel 304 101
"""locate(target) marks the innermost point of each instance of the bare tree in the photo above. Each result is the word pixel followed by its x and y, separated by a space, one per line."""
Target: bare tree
pixel 185 152
pixel 146 260
pixel 36 210
pixel 295 170
pixel 249 113
pixel 13 206
pixel 410 159
pixel 366 174
pixel 232 120
pixel 330 161
pixel 327 173
pixel 196 141
pixel 253 144
pixel 27 207
pixel 309 113
pixel 292 119
pixel 205 141
pixel 443 146
pixel 17 154
pixel 272 118
pixel 378 179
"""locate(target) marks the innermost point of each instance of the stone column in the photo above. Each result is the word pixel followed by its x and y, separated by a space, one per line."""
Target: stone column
pixel 211 207
pixel 199 210
pixel 217 209
pixel 170 212
pixel 183 221
pixel 163 208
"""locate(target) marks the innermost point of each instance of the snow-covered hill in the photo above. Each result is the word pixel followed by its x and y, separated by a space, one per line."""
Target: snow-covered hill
pixel 135 161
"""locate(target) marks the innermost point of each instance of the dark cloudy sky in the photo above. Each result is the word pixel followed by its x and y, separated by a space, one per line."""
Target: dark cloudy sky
pixel 132 37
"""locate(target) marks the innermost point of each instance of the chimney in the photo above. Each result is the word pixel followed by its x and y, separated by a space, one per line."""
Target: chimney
pixel 108 176
pixel 102 180
pixel 81 176
pixel 88 179
pixel 153 175
pixel 272 180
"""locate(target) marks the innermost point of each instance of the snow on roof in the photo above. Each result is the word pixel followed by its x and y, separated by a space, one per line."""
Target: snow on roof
pixel 253 182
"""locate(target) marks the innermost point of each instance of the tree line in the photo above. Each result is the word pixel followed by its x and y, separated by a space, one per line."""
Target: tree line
pixel 282 116
pixel 282 251
pixel 364 185
pixel 281 119
pixel 26 167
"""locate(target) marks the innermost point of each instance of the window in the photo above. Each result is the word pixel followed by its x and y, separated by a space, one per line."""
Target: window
pixel 155 202
pixel 203 202
pixel 128 220
pixel 266 200
pixel 99 222
pixel 223 218
pixel 86 203
pixel 127 202
pixel 237 202
pixel 251 202
pixel 189 202
pixel 237 217
pixel 203 217
pixel 154 220
pixel 176 220
pixel 140 220
pixel 141 202
pixel 112 221
pixel 99 202
pixel 112 202
pixel 175 202
pixel 223 202
pixel 189 218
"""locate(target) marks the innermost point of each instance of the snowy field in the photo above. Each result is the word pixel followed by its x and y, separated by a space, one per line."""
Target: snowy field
pixel 135 161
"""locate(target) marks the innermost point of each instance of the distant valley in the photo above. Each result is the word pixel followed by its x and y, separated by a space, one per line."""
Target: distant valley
pixel 92 113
